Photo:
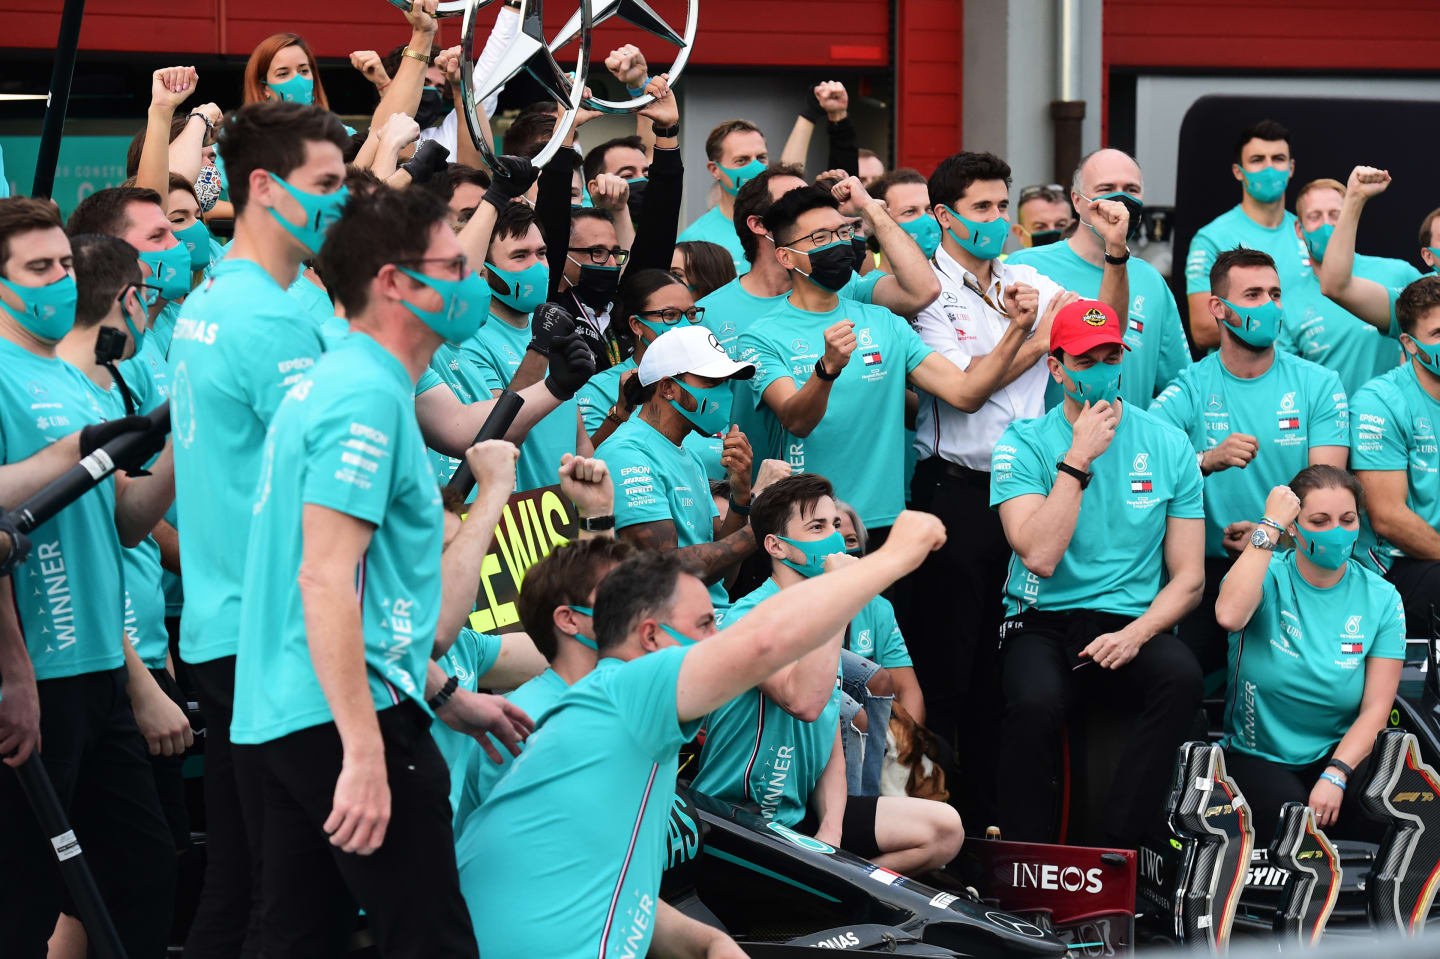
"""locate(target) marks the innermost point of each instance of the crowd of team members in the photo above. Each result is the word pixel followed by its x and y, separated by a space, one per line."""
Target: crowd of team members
pixel 741 414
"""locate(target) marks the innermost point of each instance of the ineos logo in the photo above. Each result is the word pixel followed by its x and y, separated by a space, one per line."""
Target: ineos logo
pixel 1015 925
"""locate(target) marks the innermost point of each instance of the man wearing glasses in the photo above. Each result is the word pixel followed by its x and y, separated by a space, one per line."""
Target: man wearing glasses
pixel 591 277
pixel 1042 215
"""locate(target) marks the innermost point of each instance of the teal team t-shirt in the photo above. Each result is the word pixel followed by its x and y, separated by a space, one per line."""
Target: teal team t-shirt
pixel 1392 427
pixel 312 299
pixel 346 439
pixel 1158 348
pixel 599 394
pixel 239 344
pixel 572 840
pixel 756 752
pixel 1234 228
pixel 162 329
pixel 713 226
pixel 1297 669
pixel 875 634
pixel 468 658
pixel 866 401
pixel 1115 560
pixel 481 772
pixel 1291 408
pixel 657 480
pixel 69 592
pixel 497 350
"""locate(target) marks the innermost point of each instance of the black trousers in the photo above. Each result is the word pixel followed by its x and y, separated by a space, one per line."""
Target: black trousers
pixel 1041 681
pixel 1418 581
pixel 409 887
pixel 1267 786
pixel 949 611
pixel 226 922
pixel 1199 631
pixel 98 762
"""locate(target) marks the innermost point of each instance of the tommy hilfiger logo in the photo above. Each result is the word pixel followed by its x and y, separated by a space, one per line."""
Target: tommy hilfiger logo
pixel 871 358
pixel 1288 423
pixel 1141 486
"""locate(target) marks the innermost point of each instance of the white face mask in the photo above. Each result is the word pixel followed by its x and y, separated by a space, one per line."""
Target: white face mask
pixel 207 187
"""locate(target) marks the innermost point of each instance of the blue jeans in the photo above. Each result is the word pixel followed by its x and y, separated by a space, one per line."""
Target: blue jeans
pixel 864 753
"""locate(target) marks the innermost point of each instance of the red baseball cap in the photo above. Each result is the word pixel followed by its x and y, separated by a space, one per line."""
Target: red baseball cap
pixel 1084 325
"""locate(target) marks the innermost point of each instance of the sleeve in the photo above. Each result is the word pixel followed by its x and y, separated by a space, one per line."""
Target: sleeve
pixel 890 649
pixel 1046 287
pixel 643 692
pixel 769 364
pixel 1394 330
pixel 654 243
pixel 552 210
pixel 1189 499
pixel 1198 262
pixel 1377 441
pixel 274 363
pixel 914 347
pixel 844 147
pixel 592 410
pixel 862 288
pixel 1176 405
pixel 934 329
pixel 429 379
pixel 638 498
pixel 486 650
pixel 1390 637
pixel 1017 469
pixel 1329 411
pixel 1174 348
pixel 350 445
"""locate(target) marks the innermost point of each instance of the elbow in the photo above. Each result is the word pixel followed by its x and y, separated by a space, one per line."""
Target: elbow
pixel 1381 518
pixel 928 293
pixel 969 402
pixel 1041 566
pixel 1229 619
pixel 807 712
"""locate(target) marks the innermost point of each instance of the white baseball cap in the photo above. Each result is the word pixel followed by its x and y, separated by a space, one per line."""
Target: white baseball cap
pixel 690 349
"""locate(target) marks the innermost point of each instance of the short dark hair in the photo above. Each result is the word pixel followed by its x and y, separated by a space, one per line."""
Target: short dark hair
pixel 1324 476
pixel 641 586
pixel 1227 260
pixel 271 136
pixel 530 130
pixel 21 214
pixel 708 266
pixel 515 220
pixel 443 183
pixel 564 578
pixel 1264 130
pixel 956 172
pixel 589 213
pixel 794 495
pixel 781 216
pixel 107 211
pixel 354 250
pixel 362 180
pixel 1425 225
pixel 754 199
pixel 104 265
pixel 595 159
pixel 1415 301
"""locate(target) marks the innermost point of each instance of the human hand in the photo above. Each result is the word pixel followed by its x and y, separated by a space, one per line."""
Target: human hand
pixel 360 809
pixel 169 86
pixel 770 471
pixel 1325 800
pixel 736 457
pixel 492 463
pixel 829 833
pixel 1282 506
pixel 913 536
pixel 19 720
pixel 1367 181
pixel 1111 220
pixel 664 109
pixel 481 715
pixel 1094 430
pixel 1022 304
pixel 852 195
pixel 1056 304
pixel 834 561
pixel 840 342
pixel 627 64
pixel 448 62
pixel 510 177
pixel 1113 650
pixel 623 401
pixel 210 112
pixel 610 192
pixel 370 66
pixel 723 947
pixel 585 481
pixel 400 131
pixel 421 16
pixel 571 366
pixel 1236 450
pixel 1236 536
pixel 161 721
pixel 833 99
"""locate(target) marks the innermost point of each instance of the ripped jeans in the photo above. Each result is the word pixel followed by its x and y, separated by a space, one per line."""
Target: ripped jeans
pixel 864 752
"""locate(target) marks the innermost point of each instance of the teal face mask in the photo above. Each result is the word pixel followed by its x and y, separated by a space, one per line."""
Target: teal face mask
pixel 925 231
pixel 680 638
pixel 321 210
pixel 466 305
pixel 298 89
pixel 195 238
pixel 814 552
pixel 1267 185
pixel 527 287
pixel 1428 355
pixel 169 270
pixel 49 311
pixel 1096 383
pixel 986 239
pixel 581 638
pixel 712 414
pixel 739 176
pixel 1259 325
pixel 1317 241
pixel 1326 548
pixel 136 336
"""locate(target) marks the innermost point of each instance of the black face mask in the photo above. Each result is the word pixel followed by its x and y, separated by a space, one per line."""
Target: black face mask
pixel 637 196
pixel 1135 207
pixel 861 252
pixel 1044 237
pixel 597 285
pixel 432 109
pixel 832 266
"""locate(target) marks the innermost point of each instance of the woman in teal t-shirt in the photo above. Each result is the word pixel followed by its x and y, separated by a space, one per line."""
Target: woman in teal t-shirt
pixel 1316 647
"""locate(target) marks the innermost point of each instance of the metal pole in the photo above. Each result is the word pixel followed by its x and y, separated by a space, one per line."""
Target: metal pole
pixel 1067 111
pixel 66 48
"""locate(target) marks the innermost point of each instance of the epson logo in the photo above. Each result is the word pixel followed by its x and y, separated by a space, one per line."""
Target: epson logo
pixel 1034 875
pixel 842 941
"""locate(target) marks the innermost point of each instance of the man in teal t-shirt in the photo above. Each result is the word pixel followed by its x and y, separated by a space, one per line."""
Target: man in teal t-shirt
pixel 1101 504
pixel 736 154
pixel 1395 454
pixel 1157 349
pixel 1255 417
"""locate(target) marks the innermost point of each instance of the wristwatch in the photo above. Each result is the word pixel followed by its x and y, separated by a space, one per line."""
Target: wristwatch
pixel 673 130
pixel 1079 474
pixel 597 524
pixel 1261 539
pixel 1117 260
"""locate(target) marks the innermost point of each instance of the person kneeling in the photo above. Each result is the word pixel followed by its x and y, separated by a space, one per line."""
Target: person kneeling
pixel 778 744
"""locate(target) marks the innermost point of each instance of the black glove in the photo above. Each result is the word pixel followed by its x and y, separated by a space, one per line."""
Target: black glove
pixel 149 439
pixel 510 177
pixel 549 324
pixel 571 365
pixel 429 159
pixel 98 434
pixel 14 546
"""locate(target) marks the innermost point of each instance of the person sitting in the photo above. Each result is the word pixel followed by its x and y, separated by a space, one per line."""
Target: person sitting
pixel 1100 500
pixel 1285 615
pixel 778 745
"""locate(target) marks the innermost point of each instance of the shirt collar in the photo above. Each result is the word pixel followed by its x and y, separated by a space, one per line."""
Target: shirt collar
pixel 953 271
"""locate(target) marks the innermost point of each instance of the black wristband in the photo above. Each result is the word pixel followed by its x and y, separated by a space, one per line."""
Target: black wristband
pixel 1079 474
pixel 1343 767
pixel 737 509
pixel 1117 260
pixel 823 373
pixel 597 524
pixel 443 696
pixel 673 130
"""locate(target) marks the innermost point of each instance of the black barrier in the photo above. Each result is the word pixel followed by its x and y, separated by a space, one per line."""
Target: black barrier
pixel 1313 886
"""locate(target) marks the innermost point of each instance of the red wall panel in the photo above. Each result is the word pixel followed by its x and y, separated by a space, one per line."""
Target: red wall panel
pixel 928 75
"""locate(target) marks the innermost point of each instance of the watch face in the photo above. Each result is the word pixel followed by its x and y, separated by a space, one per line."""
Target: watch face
pixel 1260 538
